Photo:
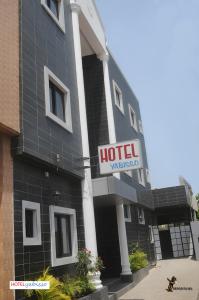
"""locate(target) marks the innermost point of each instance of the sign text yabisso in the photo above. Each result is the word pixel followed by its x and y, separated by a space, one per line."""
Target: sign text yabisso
pixel 120 157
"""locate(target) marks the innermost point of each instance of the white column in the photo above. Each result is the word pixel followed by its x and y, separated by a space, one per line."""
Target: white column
pixel 109 106
pixel 87 194
pixel 110 117
pixel 123 241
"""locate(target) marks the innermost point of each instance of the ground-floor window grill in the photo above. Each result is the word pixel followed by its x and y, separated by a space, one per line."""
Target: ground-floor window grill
pixel 180 239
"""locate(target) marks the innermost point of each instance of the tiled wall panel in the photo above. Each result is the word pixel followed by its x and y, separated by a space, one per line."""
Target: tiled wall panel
pixel 95 108
pixel 123 128
pixel 30 184
pixel 44 44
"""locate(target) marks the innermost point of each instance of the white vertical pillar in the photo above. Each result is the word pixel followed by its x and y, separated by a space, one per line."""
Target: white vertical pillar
pixel 126 271
pixel 110 117
pixel 87 194
pixel 109 106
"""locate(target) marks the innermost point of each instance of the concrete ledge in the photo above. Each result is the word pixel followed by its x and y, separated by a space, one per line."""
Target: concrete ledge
pixel 101 294
pixel 140 274
pixel 126 278
pixel 116 190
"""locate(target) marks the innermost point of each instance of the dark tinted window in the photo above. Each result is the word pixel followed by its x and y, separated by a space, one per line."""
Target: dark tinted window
pixel 54 7
pixel 63 235
pixel 57 104
pixel 118 97
pixel 29 216
pixel 126 211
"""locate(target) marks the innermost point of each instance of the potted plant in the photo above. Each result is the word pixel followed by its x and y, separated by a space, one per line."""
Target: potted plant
pixel 90 266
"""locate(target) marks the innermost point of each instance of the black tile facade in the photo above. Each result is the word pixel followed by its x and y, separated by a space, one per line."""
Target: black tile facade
pixel 30 184
pixel 170 196
pixel 123 128
pixel 139 233
pixel 98 135
pixel 44 44
pixel 174 214
pixel 107 240
pixel 95 108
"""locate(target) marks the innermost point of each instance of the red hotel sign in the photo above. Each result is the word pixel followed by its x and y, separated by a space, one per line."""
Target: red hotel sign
pixel 120 157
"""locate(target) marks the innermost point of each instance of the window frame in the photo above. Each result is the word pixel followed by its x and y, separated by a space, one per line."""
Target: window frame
pixel 36 240
pixel 49 76
pixel 60 20
pixel 54 210
pixel 148 176
pixel 116 88
pixel 151 234
pixel 135 126
pixel 140 126
pixel 141 179
pixel 141 220
pixel 128 219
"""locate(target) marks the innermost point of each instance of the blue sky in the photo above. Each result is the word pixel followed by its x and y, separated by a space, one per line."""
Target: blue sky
pixel 156 43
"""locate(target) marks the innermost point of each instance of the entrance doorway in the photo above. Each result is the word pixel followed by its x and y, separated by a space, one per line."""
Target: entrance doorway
pixel 165 243
pixel 108 241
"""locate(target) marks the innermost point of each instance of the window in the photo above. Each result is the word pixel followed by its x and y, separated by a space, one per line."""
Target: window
pixel 151 234
pixel 140 173
pixel 53 5
pixel 140 126
pixel 141 219
pixel 148 176
pixel 118 97
pixel 63 235
pixel 55 8
pixel 31 223
pixel 127 213
pixel 57 100
pixel 57 105
pixel 133 119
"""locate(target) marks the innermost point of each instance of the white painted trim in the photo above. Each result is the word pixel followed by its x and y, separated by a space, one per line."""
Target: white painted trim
pixel 72 213
pixel 129 173
pixel 128 212
pixel 59 21
pixel 87 193
pixel 134 125
pixel 116 88
pixel 141 217
pixel 36 240
pixel 123 75
pixel 109 104
pixel 151 234
pixel 123 240
pixel 140 127
pixel 140 174
pixel 50 76
pixel 148 176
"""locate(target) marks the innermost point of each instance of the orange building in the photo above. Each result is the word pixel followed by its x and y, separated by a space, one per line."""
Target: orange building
pixel 9 127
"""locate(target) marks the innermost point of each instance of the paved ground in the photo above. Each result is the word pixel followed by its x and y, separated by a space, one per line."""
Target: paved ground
pixel 153 287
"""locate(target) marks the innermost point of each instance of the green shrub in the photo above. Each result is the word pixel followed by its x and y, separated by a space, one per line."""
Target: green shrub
pixel 138 260
pixel 77 287
pixel 53 293
pixel 84 263
pixel 88 263
pixel 133 247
